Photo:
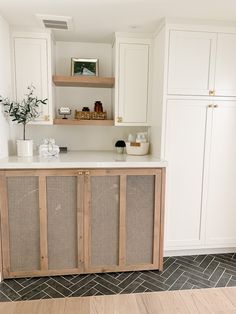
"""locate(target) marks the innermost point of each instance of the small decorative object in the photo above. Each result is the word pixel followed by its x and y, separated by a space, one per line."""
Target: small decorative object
pixel 98 106
pixel 49 148
pixel 82 115
pixel 86 115
pixel 63 149
pixel 85 109
pixel 99 115
pixel 120 146
pixel 141 137
pixel 65 111
pixel 84 67
pixel 131 138
pixel 23 112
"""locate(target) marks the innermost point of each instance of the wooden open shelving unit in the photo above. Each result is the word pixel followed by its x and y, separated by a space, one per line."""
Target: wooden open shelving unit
pixel 84 81
pixel 83 122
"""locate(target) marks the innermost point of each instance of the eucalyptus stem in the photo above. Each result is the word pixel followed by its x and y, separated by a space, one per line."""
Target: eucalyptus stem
pixel 25 111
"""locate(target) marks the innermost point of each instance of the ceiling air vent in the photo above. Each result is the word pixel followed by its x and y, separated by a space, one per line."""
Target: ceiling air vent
pixel 55 22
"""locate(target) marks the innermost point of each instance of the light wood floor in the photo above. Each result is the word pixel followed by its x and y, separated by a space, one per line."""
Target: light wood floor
pixel 222 300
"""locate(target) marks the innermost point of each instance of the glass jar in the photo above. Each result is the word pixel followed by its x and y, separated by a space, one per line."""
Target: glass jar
pixel 98 106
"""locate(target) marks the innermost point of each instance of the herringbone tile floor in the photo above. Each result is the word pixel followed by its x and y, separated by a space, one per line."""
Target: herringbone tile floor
pixel 180 272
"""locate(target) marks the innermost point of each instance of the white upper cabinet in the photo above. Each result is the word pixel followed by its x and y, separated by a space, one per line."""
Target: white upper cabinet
pixel 32 66
pixel 191 63
pixel 202 63
pixel 225 73
pixel 132 81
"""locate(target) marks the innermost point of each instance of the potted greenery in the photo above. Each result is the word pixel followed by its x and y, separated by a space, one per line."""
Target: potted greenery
pixel 23 112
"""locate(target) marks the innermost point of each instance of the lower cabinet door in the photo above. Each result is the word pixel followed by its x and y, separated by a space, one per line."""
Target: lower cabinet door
pixel 41 222
pixel 221 196
pixel 63 223
pixel 102 228
pixel 186 128
pixel 20 224
pixel 140 213
pixel 124 220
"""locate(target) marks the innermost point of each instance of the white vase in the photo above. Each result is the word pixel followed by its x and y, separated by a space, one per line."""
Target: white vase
pixel 24 148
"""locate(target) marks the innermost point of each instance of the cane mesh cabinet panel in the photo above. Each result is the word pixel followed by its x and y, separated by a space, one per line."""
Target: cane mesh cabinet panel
pixel 62 222
pixel 104 220
pixel 140 197
pixel 23 215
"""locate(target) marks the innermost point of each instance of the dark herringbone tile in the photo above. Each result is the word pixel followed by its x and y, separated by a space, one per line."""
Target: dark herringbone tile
pixel 180 272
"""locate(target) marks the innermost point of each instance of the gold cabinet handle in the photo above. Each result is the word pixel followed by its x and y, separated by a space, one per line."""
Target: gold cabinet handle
pixel 210 106
pixel 212 92
pixel 119 119
pixel 215 106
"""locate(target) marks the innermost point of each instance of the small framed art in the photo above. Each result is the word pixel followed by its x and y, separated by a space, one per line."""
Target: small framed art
pixel 84 67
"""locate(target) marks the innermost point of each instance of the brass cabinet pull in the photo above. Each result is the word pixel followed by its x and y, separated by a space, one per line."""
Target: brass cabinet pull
pixel 215 106
pixel 210 106
pixel 119 119
pixel 212 93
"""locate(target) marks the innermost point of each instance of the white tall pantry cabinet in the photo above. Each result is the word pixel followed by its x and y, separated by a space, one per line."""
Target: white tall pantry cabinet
pixel 198 123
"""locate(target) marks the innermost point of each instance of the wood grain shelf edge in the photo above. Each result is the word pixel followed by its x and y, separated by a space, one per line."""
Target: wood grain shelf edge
pixel 83 122
pixel 84 81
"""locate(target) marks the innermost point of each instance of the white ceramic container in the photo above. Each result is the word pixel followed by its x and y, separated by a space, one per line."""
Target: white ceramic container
pixel 138 149
pixel 24 148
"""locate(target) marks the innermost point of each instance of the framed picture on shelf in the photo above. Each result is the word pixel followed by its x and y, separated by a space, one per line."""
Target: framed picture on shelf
pixel 87 67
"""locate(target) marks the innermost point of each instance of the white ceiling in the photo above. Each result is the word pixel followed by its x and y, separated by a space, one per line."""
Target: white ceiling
pixel 97 20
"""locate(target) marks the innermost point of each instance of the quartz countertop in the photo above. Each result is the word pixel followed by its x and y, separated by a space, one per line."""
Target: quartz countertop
pixel 82 159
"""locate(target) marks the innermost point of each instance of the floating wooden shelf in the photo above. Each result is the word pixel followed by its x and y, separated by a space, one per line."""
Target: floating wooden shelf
pixel 84 81
pixel 84 122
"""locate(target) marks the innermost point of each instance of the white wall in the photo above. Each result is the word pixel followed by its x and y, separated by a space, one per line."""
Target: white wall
pixel 81 137
pixel 5 83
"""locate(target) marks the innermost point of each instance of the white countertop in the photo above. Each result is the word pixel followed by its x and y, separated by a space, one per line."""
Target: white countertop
pixel 83 159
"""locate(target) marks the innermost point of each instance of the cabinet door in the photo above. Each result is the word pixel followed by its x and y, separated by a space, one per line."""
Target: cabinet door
pixel 31 67
pixel 186 122
pixel 225 78
pixel 102 205
pixel 64 203
pixel 191 63
pixel 143 221
pixel 133 84
pixel 20 224
pixel 41 222
pixel 221 196
pixel 124 220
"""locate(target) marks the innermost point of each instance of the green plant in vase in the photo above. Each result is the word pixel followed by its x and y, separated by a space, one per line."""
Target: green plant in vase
pixel 22 113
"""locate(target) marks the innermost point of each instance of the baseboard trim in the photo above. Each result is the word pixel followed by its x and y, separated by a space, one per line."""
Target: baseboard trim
pixel 168 253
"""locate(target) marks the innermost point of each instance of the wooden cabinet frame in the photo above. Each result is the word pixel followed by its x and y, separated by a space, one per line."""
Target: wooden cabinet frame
pixel 83 220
